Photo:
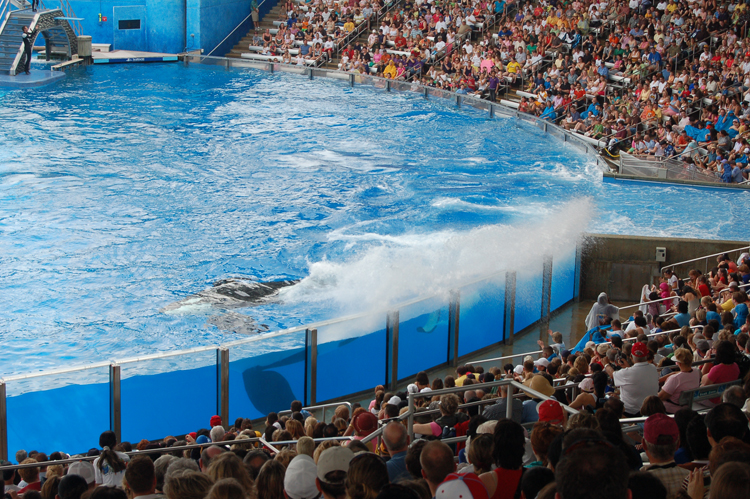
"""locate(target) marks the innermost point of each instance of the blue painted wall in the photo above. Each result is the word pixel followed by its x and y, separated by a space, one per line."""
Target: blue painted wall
pixel 166 25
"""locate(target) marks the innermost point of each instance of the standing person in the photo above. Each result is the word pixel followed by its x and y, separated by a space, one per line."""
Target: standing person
pixel 256 14
pixel 636 382
pixel 28 44
pixel 34 5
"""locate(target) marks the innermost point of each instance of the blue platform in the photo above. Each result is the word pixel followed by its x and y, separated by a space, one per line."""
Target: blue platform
pixel 37 78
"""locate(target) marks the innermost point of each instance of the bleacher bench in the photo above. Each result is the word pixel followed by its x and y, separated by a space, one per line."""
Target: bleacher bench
pixel 693 398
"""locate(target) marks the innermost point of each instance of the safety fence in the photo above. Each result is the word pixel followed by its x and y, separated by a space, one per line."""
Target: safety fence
pixel 177 392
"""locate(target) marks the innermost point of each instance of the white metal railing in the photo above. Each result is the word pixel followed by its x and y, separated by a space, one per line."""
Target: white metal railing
pixel 703 258
pixel 319 407
pixel 741 286
pixel 505 357
pixel 648 302
pixel 235 29
pixel 509 405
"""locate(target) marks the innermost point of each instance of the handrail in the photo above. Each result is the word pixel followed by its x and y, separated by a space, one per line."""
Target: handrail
pixel 235 29
pixel 703 258
pixel 505 382
pixel 317 407
pixel 648 302
pixel 506 357
pixel 678 297
pixel 162 450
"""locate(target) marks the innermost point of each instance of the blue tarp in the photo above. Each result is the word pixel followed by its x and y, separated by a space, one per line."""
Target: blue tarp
pixel 594 335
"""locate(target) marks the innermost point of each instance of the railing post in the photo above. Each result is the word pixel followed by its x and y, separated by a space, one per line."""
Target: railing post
pixel 410 424
pixel 115 401
pixel 426 92
pixel 351 80
pixel 270 67
pixel 223 388
pixel 314 369
pixel 392 349
pixel 546 295
pixel 454 310
pixel 310 73
pixel 510 306
pixel 3 423
pixel 458 100
pixel 492 110
pixel 509 404
pixel 577 278
pixel 387 85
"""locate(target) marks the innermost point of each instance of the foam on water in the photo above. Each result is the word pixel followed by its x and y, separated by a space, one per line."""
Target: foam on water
pixel 401 267
pixel 126 188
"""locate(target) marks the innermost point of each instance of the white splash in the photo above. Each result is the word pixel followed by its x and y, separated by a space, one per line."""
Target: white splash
pixel 387 270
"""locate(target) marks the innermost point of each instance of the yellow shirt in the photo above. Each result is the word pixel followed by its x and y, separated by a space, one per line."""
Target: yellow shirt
pixel 349 26
pixel 513 67
pixel 727 306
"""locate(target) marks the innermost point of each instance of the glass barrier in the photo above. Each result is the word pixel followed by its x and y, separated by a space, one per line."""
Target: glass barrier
pixel 484 105
pixel 266 375
pixel 352 346
pixel 481 315
pixel 169 396
pixel 422 336
pixel 65 412
pixel 528 296
pixel 563 278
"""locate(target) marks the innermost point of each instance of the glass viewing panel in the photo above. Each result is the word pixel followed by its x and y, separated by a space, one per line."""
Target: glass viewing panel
pixel 266 375
pixel 170 396
pixel 58 411
pixel 563 278
pixel 422 336
pixel 352 346
pixel 481 315
pixel 528 297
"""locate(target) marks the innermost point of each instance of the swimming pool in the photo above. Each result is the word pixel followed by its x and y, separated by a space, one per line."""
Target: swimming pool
pixel 124 189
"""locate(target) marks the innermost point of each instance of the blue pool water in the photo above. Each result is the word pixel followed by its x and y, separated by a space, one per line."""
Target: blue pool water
pixel 124 189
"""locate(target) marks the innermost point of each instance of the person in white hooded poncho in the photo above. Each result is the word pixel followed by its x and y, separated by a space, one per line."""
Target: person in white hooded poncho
pixel 600 312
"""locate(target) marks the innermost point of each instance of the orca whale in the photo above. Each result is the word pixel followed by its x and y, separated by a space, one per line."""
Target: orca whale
pixel 228 294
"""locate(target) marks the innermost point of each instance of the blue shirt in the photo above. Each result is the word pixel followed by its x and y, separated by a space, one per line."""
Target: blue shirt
pixel 682 319
pixel 397 468
pixel 654 57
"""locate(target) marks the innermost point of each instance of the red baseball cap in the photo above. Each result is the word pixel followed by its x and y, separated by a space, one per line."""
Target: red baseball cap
pixel 215 421
pixel 639 350
pixel 551 411
pixel 660 429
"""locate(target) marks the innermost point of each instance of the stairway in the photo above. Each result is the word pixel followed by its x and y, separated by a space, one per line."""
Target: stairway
pixel 60 39
pixel 11 42
pixel 263 25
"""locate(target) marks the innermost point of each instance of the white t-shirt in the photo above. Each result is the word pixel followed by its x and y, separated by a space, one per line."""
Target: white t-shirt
pixel 106 476
pixel 636 383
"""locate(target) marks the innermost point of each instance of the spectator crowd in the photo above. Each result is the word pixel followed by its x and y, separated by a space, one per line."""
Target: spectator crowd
pixel 657 80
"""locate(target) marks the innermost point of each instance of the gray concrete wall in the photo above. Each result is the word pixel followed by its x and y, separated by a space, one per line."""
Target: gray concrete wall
pixel 621 265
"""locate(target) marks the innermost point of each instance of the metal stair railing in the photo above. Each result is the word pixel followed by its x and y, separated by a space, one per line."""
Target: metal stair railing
pixel 354 35
pixel 231 32
pixel 4 11
pixel 67 10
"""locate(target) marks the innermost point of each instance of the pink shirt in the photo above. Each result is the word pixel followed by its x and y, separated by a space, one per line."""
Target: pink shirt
pixel 678 383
